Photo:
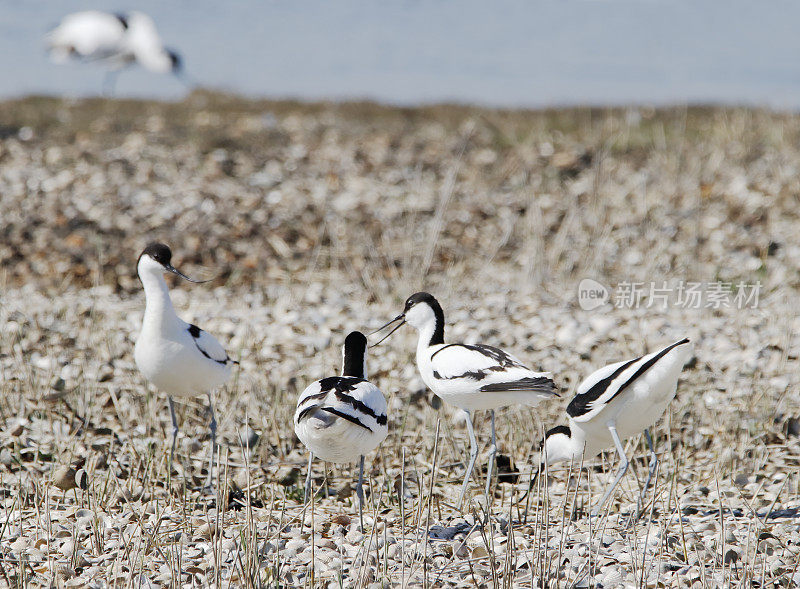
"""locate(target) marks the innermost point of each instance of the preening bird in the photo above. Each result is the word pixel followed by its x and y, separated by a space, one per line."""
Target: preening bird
pixel 614 403
pixel 469 376
pixel 114 40
pixel 342 418
pixel 176 357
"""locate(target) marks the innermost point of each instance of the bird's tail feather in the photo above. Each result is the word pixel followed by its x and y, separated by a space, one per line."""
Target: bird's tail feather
pixel 538 384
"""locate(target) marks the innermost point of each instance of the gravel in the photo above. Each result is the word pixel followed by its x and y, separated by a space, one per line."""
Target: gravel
pixel 315 219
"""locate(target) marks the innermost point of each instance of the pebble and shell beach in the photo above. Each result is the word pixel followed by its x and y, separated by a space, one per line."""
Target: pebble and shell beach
pixel 316 219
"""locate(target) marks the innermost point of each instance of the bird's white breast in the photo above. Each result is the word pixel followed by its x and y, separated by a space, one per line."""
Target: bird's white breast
pixel 170 361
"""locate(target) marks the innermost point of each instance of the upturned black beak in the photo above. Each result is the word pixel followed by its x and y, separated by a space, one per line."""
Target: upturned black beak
pixel 174 270
pixel 401 318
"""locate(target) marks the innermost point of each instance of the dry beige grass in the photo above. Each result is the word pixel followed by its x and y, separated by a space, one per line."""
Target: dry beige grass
pixel 321 218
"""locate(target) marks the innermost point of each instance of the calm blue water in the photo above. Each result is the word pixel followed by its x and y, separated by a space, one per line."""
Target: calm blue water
pixel 506 52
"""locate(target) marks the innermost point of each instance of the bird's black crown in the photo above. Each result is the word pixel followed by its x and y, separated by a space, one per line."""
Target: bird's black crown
pixel 355 348
pixel 355 341
pixel 419 297
pixel 159 252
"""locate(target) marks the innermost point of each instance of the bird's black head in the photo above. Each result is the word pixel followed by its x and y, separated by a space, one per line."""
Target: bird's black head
pixel 559 429
pixel 415 311
pixel 420 297
pixel 177 62
pixel 163 255
pixel 159 252
pixel 552 453
pixel 355 340
pixel 355 352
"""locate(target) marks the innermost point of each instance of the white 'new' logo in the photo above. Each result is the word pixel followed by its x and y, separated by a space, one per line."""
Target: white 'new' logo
pixel 591 294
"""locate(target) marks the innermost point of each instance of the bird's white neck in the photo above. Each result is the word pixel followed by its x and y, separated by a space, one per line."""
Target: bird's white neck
pixel 425 331
pixel 158 310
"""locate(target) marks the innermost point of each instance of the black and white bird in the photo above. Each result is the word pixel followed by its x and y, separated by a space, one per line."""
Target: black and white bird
pixel 469 376
pixel 115 40
pixel 614 403
pixel 342 418
pixel 176 357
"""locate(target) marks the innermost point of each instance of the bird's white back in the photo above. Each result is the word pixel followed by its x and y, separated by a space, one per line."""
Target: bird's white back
pixel 90 34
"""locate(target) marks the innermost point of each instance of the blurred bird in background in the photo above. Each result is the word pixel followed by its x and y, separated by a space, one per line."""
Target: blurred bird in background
pixel 114 40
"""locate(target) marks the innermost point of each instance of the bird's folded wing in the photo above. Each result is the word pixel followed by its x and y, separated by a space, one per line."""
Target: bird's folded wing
pixel 364 403
pixel 476 362
pixel 313 392
pixel 355 400
pixel 603 385
pixel 208 345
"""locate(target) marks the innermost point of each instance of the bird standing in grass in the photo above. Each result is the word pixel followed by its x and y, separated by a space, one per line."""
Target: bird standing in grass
pixel 614 403
pixel 114 40
pixel 342 418
pixel 469 376
pixel 176 357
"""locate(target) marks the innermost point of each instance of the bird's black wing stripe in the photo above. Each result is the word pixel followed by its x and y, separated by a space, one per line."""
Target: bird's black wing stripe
pixel 312 398
pixel 648 365
pixel 202 351
pixel 473 374
pixel 340 384
pixel 195 332
pixel 443 348
pixel 316 396
pixel 360 406
pixel 346 416
pixel 540 384
pixel 496 354
pixel 305 412
pixel 123 20
pixel 580 404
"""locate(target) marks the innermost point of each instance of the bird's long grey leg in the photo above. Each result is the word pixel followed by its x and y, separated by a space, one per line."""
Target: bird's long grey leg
pixel 212 427
pixel 653 460
pixel 360 493
pixel 307 494
pixel 109 83
pixel 652 467
pixel 174 430
pixel 491 465
pixel 623 467
pixel 473 454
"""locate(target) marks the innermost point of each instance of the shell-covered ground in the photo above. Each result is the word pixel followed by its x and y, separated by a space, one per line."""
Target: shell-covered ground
pixel 316 219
